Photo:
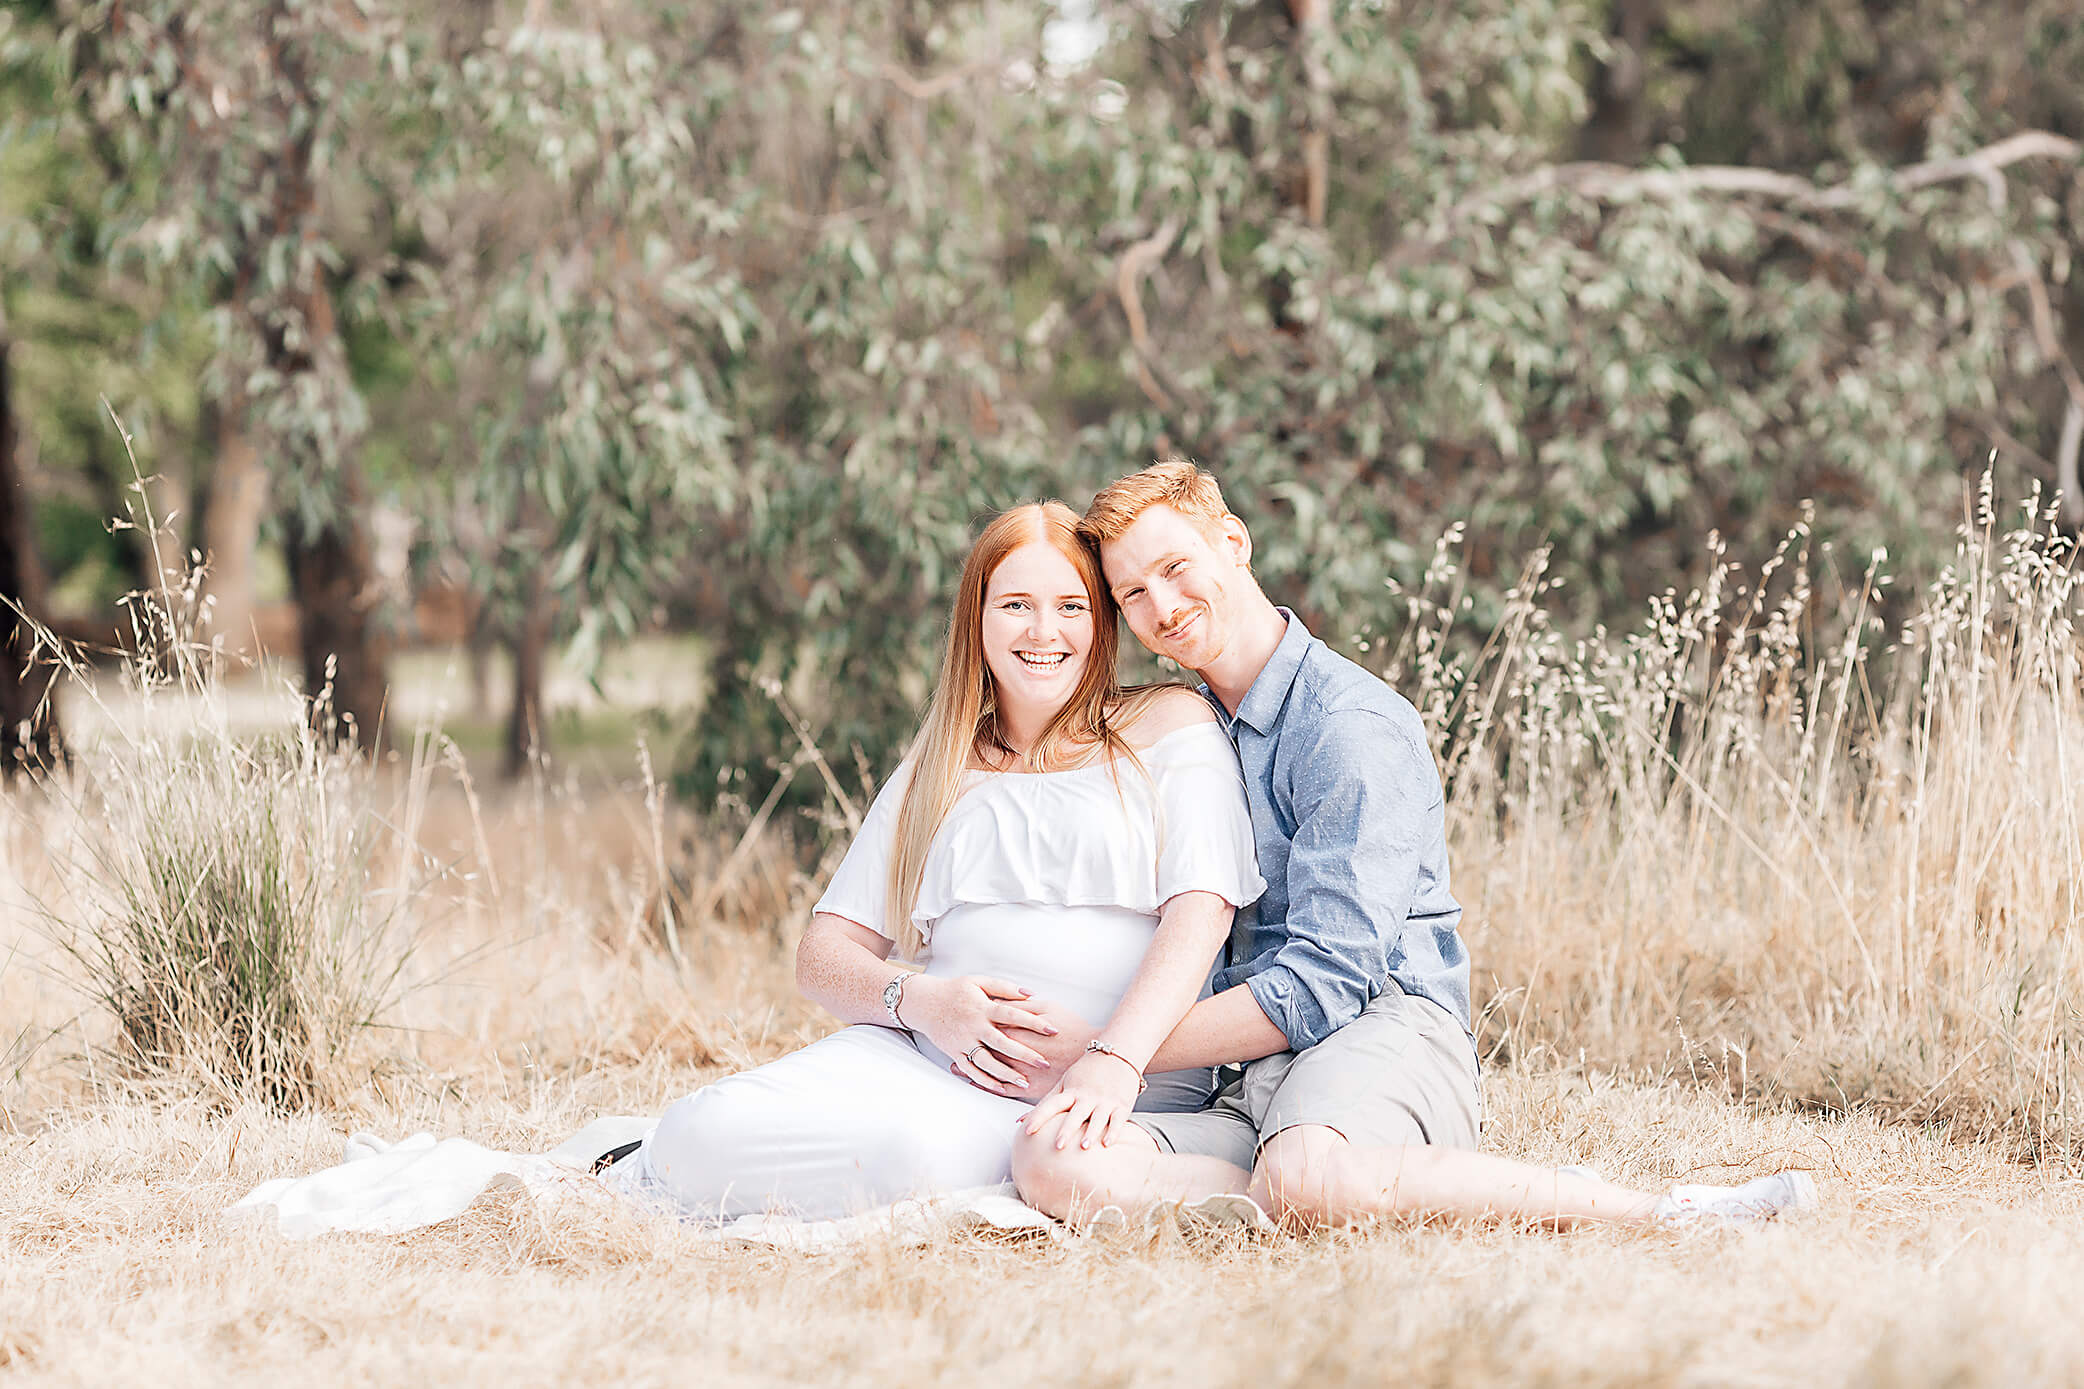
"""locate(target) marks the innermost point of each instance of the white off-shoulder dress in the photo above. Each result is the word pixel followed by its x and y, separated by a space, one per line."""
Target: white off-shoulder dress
pixel 1050 880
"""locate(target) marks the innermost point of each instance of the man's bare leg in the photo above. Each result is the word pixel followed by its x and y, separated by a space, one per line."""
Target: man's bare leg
pixel 1311 1175
pixel 1133 1172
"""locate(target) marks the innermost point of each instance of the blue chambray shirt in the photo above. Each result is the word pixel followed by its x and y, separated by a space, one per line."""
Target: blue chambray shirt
pixel 1349 820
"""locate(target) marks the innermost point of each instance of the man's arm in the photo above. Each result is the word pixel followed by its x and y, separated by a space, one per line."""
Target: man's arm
pixel 1229 1027
pixel 1367 804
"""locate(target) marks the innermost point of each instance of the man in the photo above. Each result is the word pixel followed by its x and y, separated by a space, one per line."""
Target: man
pixel 1346 992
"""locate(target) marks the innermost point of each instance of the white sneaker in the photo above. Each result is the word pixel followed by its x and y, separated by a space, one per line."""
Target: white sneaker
pixel 1227 1209
pixel 1783 1193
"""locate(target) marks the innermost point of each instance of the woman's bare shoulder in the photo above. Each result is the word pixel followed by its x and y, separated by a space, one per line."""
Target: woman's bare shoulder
pixel 1165 711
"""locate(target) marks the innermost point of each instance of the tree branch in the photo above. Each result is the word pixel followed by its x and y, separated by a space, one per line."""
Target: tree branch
pixel 2066 482
pixel 926 89
pixel 1136 262
pixel 1617 183
pixel 1828 249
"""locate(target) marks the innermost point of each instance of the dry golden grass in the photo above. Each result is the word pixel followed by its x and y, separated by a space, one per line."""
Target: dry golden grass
pixel 1815 859
pixel 1933 1260
pixel 1931 1264
pixel 1734 906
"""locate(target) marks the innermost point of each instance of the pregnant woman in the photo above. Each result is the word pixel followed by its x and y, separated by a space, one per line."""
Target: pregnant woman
pixel 1055 847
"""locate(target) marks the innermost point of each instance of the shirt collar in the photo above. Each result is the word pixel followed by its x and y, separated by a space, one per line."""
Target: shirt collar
pixel 1262 703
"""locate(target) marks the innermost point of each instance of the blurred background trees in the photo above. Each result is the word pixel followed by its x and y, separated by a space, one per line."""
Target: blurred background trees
pixel 734 320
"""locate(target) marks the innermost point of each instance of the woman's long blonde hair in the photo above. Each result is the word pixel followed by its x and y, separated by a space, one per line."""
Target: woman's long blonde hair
pixel 962 722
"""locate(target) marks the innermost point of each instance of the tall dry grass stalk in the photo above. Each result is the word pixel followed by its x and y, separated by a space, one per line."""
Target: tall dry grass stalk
pixel 234 907
pixel 1773 841
pixel 225 905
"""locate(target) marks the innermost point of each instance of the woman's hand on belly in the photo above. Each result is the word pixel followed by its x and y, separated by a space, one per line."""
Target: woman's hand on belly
pixel 1062 1048
pixel 985 1024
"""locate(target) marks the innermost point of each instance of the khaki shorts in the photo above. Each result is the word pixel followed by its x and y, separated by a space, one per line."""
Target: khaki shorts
pixel 1401 1073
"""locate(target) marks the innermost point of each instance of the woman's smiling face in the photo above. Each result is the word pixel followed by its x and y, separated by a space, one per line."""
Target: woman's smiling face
pixel 1038 629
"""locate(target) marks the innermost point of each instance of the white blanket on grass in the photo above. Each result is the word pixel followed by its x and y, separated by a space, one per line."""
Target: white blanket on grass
pixel 383 1188
pixel 386 1188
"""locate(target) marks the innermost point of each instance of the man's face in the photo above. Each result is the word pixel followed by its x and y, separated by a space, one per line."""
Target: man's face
pixel 1180 590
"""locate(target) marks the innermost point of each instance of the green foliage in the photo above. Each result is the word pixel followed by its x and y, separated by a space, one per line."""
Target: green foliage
pixel 752 313
pixel 81 330
pixel 76 544
pixel 612 327
pixel 1615 376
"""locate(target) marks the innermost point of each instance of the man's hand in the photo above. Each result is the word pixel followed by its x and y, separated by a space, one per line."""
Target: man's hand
pixel 1094 1097
pixel 1062 1049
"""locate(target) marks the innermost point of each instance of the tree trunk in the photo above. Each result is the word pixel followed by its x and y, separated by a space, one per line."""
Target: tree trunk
pixel 2069 443
pixel 1312 34
pixel 525 735
pixel 231 533
pixel 344 641
pixel 1614 132
pixel 29 738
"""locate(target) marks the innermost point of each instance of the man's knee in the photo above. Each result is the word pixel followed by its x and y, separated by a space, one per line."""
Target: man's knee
pixel 1300 1176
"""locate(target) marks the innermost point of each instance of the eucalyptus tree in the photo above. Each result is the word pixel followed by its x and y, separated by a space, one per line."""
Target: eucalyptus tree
pixel 885 403
pixel 364 164
pixel 1486 330
pixel 752 311
pixel 1349 256
pixel 1793 87
pixel 744 332
pixel 517 202
pixel 583 287
pixel 254 117
pixel 85 331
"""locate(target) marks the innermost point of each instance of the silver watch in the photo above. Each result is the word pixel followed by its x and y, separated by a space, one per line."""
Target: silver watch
pixel 894 994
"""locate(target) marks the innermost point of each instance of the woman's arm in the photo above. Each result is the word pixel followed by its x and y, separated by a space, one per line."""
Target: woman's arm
pixel 843 967
pixel 1230 1027
pixel 1101 1088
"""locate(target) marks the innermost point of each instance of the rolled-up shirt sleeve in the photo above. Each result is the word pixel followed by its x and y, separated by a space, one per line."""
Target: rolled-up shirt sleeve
pixel 1366 802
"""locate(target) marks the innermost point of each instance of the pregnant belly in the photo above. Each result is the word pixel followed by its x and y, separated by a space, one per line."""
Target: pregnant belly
pixel 1080 957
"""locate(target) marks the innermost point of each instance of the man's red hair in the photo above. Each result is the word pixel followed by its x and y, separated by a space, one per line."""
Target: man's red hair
pixel 1176 483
